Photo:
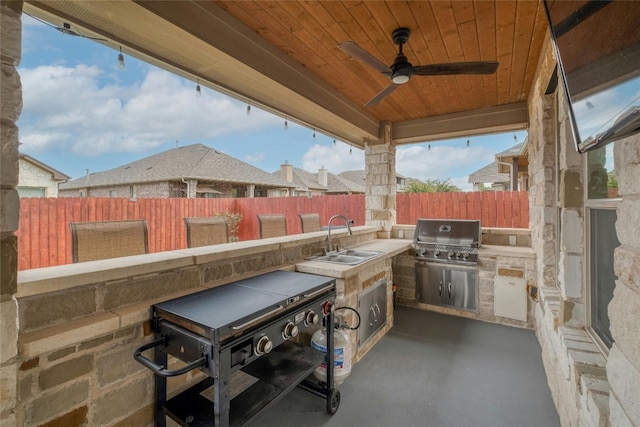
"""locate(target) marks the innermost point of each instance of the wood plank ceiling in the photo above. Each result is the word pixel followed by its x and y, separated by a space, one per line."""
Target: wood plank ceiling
pixel 284 55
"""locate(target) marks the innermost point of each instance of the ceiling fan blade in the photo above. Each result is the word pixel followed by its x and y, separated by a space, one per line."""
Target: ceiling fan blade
pixel 362 55
pixel 456 68
pixel 380 96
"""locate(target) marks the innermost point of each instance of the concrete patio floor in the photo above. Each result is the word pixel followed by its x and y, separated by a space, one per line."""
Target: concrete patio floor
pixel 434 370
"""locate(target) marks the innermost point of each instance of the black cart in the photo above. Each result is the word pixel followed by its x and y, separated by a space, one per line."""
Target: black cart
pixel 248 325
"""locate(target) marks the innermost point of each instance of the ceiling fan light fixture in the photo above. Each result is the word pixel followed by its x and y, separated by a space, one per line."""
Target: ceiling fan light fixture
pixel 400 79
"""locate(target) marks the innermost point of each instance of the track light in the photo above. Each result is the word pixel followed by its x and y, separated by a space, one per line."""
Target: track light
pixel 468 142
pixel 334 141
pixel 429 147
pixel 121 59
pixel 589 105
pixel 198 91
pixel 248 109
pixel 350 149
pixel 314 134
pixel 286 124
pixel 515 138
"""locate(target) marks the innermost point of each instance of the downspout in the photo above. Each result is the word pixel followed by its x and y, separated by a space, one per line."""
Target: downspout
pixel 514 182
pixel 188 187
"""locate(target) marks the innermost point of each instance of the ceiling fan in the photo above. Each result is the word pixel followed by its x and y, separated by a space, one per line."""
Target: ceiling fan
pixel 401 70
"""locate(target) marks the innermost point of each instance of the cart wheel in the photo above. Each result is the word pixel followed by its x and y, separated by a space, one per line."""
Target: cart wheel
pixel 333 401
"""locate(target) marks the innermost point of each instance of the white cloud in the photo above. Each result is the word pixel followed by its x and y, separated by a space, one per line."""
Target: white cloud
pixel 335 158
pixel 441 162
pixel 79 108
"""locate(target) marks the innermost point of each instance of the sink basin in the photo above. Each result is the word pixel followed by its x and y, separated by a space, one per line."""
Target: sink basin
pixel 347 256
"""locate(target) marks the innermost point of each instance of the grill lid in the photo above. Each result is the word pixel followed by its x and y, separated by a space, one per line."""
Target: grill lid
pixel 459 232
pixel 237 303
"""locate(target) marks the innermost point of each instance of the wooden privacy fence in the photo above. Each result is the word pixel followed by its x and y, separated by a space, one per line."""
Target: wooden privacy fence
pixel 502 209
pixel 44 236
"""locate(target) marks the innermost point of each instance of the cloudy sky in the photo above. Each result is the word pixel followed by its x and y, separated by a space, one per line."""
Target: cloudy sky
pixel 82 112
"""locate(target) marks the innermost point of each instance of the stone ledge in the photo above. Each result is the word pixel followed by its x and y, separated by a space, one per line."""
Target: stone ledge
pixel 595 399
pixel 506 251
pixel 62 277
pixel 59 278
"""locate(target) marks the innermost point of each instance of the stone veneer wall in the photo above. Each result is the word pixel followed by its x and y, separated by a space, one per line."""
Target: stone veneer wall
pixel 80 324
pixel 10 108
pixel 380 196
pixel 623 364
pixel 588 388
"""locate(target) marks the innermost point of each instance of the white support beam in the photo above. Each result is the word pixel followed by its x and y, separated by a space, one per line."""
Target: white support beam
pixel 504 118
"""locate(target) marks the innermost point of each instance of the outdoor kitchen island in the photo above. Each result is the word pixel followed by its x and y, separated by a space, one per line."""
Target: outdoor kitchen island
pixel 354 283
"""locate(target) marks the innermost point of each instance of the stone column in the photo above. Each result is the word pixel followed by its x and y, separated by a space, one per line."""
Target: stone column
pixel 11 106
pixel 571 223
pixel 623 364
pixel 380 195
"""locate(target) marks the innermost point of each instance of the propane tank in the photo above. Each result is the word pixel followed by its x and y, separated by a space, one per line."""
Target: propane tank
pixel 342 355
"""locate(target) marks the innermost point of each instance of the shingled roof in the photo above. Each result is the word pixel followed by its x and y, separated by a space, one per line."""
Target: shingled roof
pixel 488 174
pixel 305 181
pixel 196 161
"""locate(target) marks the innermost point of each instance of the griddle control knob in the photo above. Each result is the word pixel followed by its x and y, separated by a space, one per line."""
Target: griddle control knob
pixel 290 330
pixel 328 307
pixel 311 318
pixel 264 345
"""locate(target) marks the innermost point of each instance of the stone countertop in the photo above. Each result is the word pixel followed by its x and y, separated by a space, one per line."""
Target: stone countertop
pixel 388 247
pixel 508 251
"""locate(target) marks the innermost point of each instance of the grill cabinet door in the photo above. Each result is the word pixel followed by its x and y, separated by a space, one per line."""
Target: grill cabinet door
pixel 460 288
pixel 372 307
pixel 430 284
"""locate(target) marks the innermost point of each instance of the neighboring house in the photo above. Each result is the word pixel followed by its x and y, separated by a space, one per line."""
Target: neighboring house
pixel 488 178
pixel 515 162
pixel 359 176
pixel 192 171
pixel 36 179
pixel 317 184
pixel 510 171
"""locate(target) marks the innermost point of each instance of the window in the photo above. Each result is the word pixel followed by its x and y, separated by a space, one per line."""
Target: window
pixel 601 178
pixel 113 193
pixel 602 193
pixel 602 281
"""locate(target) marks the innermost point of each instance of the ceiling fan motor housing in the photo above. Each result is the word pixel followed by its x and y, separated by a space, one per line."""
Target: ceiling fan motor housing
pixel 401 68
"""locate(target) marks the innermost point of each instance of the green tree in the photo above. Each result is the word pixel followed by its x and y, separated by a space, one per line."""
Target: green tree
pixel 612 180
pixel 431 186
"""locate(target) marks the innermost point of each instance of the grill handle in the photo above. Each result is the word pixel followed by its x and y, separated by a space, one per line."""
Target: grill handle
pixel 255 319
pixel 159 369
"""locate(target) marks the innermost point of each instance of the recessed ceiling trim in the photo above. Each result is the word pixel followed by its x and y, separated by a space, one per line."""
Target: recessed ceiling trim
pixel 502 118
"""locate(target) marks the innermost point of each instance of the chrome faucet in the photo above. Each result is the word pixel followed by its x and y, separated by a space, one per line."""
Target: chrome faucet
pixel 346 221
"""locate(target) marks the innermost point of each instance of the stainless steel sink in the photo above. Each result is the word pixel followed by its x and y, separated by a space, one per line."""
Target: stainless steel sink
pixel 347 256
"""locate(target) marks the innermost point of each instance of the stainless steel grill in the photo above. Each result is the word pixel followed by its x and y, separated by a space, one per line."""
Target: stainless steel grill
pixel 446 256
pixel 246 325
pixel 447 241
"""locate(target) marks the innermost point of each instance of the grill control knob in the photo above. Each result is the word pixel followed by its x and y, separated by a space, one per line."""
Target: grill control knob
pixel 290 330
pixel 264 345
pixel 436 252
pixel 451 254
pixel 311 318
pixel 465 255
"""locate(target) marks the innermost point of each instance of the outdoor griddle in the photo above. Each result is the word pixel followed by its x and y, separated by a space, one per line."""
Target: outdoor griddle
pixel 247 325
